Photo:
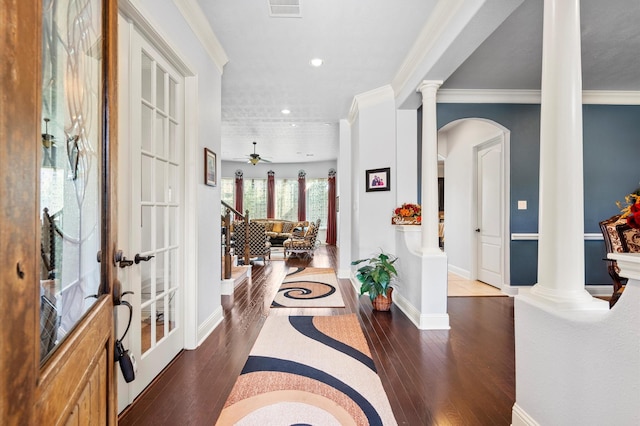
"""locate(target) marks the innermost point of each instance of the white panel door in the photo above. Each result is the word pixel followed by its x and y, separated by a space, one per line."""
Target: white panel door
pixel 154 170
pixel 489 219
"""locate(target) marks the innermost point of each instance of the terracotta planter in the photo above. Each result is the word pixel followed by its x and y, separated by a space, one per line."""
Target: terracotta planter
pixel 381 303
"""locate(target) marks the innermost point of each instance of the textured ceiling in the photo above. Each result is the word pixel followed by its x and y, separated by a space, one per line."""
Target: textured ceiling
pixel 363 44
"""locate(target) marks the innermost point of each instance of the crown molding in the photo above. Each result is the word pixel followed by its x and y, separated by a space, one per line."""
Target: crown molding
pixel 442 14
pixel 589 97
pixel 370 98
pixel 193 14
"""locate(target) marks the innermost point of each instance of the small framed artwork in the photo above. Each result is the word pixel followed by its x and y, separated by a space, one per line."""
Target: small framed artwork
pixel 209 167
pixel 378 179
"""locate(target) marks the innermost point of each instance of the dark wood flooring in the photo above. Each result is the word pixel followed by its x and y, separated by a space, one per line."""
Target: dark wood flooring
pixel 462 376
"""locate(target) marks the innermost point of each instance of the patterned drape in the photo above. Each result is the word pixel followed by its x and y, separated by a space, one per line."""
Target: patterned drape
pixel 302 195
pixel 331 214
pixel 238 193
pixel 271 194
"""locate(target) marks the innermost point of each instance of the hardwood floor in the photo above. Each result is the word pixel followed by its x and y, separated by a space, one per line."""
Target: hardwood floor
pixel 462 376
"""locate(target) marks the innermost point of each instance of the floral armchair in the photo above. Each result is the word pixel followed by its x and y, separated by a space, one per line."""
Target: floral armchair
pixel 306 244
pixel 619 237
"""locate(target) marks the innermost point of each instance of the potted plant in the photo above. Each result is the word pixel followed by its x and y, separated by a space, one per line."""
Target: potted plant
pixel 375 278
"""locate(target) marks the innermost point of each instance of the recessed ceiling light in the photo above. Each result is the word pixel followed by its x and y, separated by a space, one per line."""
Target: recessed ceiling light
pixel 285 111
pixel 316 62
pixel 293 125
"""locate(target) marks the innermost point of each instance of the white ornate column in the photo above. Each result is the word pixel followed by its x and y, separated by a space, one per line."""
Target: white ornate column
pixel 430 219
pixel 561 220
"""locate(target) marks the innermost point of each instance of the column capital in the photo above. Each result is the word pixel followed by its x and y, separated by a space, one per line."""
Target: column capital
pixel 429 86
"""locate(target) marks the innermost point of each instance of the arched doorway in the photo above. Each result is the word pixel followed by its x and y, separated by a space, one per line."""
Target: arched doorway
pixel 475 154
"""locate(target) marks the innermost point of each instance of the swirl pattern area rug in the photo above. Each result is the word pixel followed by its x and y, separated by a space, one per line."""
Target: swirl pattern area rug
pixel 307 370
pixel 309 288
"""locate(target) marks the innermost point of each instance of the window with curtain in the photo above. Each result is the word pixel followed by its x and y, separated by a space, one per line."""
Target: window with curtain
pixel 317 200
pixel 287 199
pixel 255 198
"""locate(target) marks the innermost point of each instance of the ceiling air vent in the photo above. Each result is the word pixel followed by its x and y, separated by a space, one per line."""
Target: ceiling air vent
pixel 285 8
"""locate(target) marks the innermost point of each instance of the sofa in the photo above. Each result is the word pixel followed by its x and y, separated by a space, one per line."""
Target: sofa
pixel 279 230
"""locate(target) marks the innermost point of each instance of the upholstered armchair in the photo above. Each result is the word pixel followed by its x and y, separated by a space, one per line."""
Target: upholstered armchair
pixel 259 245
pixel 306 244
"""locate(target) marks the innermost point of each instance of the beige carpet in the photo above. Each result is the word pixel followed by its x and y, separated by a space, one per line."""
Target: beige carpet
pixel 309 371
pixel 309 288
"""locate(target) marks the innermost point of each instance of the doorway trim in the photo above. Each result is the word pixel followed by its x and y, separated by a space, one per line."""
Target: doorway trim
pixel 474 145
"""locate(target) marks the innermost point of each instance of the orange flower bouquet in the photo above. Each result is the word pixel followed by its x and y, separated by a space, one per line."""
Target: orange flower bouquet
pixel 407 214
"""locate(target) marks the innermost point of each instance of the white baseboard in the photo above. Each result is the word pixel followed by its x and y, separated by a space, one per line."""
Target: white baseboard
pixel 594 290
pixel 520 418
pixel 511 290
pixel 355 283
pixel 421 321
pixel 344 273
pixel 459 271
pixel 409 310
pixel 599 290
pixel 210 324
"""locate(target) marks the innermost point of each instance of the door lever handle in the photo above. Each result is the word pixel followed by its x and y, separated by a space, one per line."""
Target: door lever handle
pixel 477 230
pixel 139 258
pixel 125 262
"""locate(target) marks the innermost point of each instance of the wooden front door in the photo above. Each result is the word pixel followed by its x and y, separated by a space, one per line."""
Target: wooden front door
pixel 68 379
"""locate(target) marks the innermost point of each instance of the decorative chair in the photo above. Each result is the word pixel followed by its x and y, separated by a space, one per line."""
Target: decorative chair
pixel 618 238
pixel 259 245
pixel 306 244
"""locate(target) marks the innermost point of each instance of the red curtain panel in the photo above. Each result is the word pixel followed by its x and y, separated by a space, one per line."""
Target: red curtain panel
pixel 271 194
pixel 331 214
pixel 302 199
pixel 238 193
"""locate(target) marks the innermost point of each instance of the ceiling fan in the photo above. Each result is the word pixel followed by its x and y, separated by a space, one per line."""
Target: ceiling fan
pixel 255 158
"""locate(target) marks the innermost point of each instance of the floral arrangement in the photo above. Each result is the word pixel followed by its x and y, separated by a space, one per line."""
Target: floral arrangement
pixel 407 214
pixel 631 210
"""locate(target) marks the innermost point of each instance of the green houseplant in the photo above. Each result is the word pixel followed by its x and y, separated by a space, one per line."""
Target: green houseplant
pixel 375 278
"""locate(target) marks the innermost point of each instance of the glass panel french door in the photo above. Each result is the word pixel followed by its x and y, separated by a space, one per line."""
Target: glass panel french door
pixel 156 172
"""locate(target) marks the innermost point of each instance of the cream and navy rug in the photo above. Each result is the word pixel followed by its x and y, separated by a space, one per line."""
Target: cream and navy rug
pixel 309 288
pixel 308 371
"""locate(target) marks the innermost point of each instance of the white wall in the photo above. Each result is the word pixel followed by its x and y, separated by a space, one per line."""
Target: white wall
pixel 407 157
pixel 374 143
pixel 343 190
pixel 579 367
pixel 460 137
pixel 204 125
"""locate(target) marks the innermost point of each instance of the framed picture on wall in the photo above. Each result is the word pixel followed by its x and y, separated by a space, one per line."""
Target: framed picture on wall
pixel 209 167
pixel 378 179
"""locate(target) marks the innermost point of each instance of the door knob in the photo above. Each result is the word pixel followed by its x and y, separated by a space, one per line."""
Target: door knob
pixel 139 258
pixel 477 229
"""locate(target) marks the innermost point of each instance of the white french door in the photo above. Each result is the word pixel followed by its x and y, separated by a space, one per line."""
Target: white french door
pixel 154 170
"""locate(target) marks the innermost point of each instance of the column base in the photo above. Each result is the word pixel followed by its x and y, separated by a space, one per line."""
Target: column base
pixel 580 300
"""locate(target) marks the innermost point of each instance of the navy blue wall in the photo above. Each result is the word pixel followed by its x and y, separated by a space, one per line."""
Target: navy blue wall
pixel 611 152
